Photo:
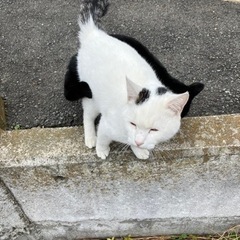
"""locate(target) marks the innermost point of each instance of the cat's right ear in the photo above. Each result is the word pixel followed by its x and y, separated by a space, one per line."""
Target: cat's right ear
pixel 177 103
pixel 132 90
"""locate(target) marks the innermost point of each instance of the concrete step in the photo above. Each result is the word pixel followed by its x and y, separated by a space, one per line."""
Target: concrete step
pixel 53 186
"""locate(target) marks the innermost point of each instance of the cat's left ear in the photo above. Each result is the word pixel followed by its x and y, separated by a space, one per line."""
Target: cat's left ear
pixel 178 102
pixel 132 89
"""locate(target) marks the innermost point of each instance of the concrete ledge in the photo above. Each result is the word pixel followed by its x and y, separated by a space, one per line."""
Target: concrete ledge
pixel 190 184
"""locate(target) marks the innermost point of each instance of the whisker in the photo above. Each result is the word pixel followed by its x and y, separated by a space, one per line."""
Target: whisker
pixel 124 148
pixel 165 155
pixel 152 154
pixel 116 146
pixel 120 147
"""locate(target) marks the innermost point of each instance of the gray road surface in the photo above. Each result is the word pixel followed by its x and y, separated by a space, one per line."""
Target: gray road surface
pixel 197 40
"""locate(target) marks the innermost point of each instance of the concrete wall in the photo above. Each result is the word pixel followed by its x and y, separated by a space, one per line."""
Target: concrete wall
pixel 53 187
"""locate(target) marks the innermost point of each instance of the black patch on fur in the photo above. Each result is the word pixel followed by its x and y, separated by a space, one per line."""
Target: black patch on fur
pixel 143 96
pixel 161 90
pixel 73 88
pixel 166 79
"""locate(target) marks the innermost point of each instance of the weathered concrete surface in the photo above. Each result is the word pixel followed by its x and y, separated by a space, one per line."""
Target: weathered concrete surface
pixel 2 115
pixel 12 219
pixel 190 184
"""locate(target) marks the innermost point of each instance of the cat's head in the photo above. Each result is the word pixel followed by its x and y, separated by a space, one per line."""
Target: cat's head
pixel 152 116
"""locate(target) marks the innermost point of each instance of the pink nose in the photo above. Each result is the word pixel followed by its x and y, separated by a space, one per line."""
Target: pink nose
pixel 138 143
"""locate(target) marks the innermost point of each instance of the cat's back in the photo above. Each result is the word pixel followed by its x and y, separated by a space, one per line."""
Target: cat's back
pixel 110 59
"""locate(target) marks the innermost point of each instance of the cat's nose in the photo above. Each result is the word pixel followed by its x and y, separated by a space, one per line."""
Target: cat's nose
pixel 138 143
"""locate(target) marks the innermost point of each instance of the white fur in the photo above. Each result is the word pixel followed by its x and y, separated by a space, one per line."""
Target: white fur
pixel 106 64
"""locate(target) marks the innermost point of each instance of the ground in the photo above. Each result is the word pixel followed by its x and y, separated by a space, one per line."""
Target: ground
pixel 195 40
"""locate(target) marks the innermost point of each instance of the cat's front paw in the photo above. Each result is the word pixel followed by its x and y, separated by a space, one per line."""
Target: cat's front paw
pixel 140 153
pixel 90 142
pixel 103 152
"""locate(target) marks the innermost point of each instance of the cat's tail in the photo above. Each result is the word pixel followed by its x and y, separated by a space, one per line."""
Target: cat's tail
pixel 91 11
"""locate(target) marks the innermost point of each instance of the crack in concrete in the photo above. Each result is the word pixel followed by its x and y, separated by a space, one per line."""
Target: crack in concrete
pixel 16 204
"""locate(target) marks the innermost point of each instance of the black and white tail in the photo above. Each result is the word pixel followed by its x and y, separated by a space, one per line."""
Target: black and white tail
pixel 94 9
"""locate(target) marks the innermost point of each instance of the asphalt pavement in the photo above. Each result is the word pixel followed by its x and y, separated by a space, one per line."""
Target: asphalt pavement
pixel 196 40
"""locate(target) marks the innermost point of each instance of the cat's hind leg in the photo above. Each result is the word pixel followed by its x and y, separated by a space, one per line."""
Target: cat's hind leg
pixel 90 113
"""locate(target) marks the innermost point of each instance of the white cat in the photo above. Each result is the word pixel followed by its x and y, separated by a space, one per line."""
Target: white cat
pixel 136 109
pixel 140 103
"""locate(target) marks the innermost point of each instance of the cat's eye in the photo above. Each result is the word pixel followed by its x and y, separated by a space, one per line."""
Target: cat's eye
pixel 153 130
pixel 133 124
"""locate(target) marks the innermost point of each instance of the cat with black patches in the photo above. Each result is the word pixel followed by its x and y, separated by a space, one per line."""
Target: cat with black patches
pixel 140 103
